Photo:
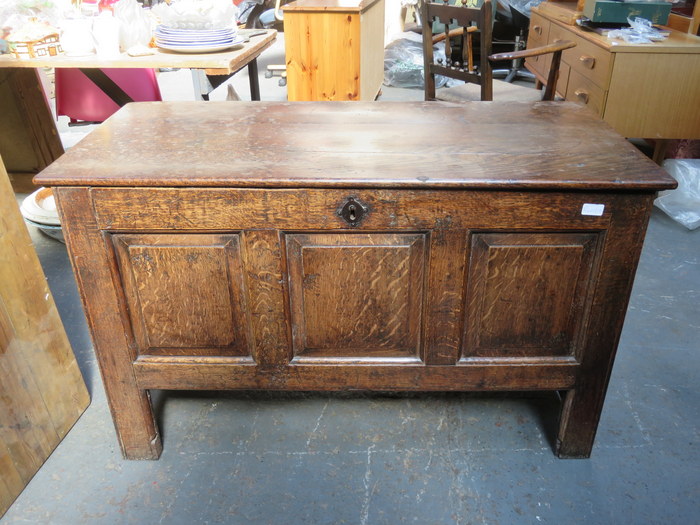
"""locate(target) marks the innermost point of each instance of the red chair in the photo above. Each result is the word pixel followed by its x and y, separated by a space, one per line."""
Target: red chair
pixel 79 98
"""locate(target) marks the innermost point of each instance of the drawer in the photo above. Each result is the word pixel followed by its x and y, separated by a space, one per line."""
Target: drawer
pixel 580 89
pixel 563 81
pixel 539 30
pixel 539 65
pixel 586 58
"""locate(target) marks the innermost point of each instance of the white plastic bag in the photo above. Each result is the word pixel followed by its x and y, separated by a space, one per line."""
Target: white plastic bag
pixel 135 27
pixel 197 14
pixel 641 31
pixel 683 203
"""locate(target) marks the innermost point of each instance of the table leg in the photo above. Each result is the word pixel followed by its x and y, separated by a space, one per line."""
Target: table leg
pixel 201 84
pixel 659 151
pixel 253 78
pixel 620 255
pixel 578 423
pixel 109 324
pixel 29 140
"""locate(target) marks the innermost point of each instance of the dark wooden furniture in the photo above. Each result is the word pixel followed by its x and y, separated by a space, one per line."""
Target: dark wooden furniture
pixel 334 246
pixel 479 80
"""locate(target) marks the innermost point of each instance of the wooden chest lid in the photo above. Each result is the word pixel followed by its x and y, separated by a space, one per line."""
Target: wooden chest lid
pixel 485 145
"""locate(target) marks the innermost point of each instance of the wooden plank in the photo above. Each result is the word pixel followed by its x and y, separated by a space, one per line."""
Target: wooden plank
pixel 367 144
pixel 264 275
pixel 448 256
pixel 42 392
pixel 230 209
pixel 152 373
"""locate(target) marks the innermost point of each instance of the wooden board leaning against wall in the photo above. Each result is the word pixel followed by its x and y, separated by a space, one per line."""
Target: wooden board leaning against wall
pixel 42 392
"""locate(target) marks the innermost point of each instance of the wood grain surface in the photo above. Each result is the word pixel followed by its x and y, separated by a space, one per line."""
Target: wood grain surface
pixel 334 50
pixel 342 144
pixel 527 293
pixel 163 278
pixel 42 392
pixel 356 295
pixel 95 266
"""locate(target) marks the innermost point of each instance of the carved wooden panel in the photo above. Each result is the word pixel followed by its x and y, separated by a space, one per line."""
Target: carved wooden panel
pixel 528 293
pixel 356 295
pixel 185 293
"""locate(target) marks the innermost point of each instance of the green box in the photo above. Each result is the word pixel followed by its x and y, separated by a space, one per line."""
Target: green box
pixel 618 12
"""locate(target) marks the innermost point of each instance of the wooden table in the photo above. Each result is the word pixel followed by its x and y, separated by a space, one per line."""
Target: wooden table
pixel 334 49
pixel 358 249
pixel 29 139
pixel 642 90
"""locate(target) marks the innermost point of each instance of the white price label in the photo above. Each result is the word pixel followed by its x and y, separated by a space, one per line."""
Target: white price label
pixel 596 210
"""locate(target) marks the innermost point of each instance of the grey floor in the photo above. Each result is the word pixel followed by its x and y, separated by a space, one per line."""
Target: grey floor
pixel 249 458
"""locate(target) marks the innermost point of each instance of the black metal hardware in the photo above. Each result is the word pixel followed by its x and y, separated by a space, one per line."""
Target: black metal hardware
pixel 353 211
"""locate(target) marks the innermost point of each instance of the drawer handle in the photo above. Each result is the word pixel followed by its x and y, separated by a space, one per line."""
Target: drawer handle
pixel 537 29
pixel 352 211
pixel 582 95
pixel 587 61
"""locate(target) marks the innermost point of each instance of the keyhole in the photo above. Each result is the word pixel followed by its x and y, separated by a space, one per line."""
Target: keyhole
pixel 352 211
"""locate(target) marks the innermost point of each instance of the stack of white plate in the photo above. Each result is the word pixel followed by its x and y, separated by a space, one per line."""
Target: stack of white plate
pixel 196 40
pixel 39 209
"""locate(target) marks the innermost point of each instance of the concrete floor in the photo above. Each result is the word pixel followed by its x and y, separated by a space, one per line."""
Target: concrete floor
pixel 270 458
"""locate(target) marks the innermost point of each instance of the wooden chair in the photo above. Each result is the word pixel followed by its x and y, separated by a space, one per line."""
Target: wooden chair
pixel 480 84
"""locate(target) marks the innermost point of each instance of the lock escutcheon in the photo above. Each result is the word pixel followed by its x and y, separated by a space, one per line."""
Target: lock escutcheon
pixel 353 211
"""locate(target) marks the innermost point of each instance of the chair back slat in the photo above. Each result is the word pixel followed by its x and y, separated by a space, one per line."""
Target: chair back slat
pixel 459 74
pixel 464 17
pixel 454 14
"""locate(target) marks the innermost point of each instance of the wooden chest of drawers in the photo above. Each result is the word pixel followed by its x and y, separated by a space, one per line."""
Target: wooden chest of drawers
pixel 641 90
pixel 332 246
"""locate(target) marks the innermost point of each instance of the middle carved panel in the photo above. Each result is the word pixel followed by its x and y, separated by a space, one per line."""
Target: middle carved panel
pixel 356 295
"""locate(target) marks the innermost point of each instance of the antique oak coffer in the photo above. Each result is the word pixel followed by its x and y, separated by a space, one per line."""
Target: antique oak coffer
pixel 334 246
